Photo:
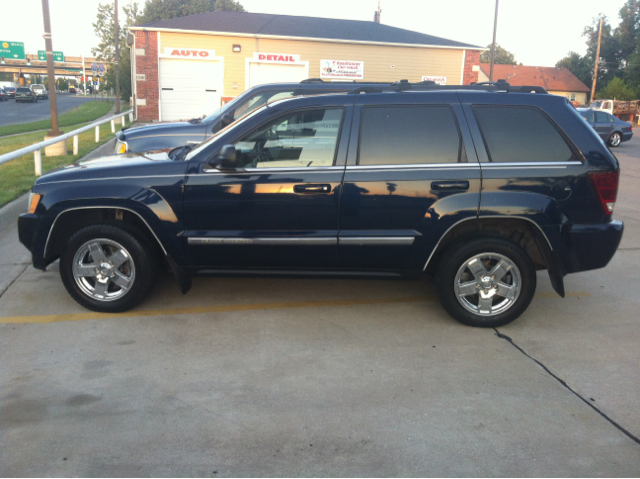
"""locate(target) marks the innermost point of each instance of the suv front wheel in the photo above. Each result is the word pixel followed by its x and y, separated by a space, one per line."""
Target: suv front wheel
pixel 486 282
pixel 107 269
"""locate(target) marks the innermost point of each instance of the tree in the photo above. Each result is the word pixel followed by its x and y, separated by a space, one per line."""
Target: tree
pixel 104 28
pixel 581 67
pixel 503 56
pixel 62 84
pixel 4 76
pixel 609 61
pixel 616 89
pixel 155 10
pixel 627 31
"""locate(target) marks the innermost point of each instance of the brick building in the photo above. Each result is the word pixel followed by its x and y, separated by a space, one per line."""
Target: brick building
pixel 187 67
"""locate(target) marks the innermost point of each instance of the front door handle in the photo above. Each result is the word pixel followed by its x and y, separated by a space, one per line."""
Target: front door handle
pixel 312 189
pixel 450 185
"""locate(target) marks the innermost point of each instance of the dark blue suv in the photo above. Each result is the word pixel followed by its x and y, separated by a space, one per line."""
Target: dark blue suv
pixel 478 186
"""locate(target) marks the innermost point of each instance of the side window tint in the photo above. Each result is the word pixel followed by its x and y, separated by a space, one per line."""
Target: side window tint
pixel 299 139
pixel 258 100
pixel 589 116
pixel 604 118
pixel 408 135
pixel 520 134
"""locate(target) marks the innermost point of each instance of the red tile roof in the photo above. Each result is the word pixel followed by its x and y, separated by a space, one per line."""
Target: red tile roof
pixel 549 78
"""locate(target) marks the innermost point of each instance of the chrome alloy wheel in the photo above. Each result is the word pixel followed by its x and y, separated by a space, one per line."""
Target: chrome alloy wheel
pixel 616 139
pixel 103 269
pixel 488 284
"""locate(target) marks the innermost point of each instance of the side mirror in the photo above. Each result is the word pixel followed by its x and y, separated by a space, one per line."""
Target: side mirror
pixel 225 159
pixel 226 120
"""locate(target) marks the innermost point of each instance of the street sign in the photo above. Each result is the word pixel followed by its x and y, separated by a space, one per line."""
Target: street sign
pixel 57 56
pixel 102 79
pixel 12 50
pixel 94 78
pixel 95 83
pixel 101 69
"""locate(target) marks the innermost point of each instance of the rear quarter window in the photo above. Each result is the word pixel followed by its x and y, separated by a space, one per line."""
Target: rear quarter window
pixel 521 135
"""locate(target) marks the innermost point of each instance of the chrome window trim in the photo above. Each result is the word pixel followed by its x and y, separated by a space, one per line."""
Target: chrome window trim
pixel 317 169
pixel 530 164
pixel 275 241
pixel 376 240
pixel 431 166
pixel 46 245
pixel 481 218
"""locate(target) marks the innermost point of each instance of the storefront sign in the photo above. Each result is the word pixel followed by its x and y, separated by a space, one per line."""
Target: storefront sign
pixel 342 69
pixel 191 54
pixel 438 80
pixel 276 57
pixel 141 77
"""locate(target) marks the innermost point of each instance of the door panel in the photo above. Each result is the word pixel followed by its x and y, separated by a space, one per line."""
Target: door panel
pixel 393 214
pixel 271 212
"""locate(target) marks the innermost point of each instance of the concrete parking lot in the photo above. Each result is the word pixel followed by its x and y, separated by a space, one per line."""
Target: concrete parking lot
pixel 306 377
pixel 13 113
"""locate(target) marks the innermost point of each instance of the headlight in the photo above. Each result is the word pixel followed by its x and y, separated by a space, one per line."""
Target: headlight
pixel 121 147
pixel 34 200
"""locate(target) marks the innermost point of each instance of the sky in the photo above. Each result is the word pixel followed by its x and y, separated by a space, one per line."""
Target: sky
pixel 538 33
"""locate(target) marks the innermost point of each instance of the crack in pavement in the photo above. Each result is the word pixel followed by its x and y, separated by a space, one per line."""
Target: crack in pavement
pixel 615 424
pixel 14 280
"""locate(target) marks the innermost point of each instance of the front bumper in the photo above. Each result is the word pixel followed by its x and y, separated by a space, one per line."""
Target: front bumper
pixel 32 234
pixel 593 246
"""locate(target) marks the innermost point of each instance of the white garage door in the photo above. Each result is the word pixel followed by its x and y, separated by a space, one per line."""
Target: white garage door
pixel 260 73
pixel 189 88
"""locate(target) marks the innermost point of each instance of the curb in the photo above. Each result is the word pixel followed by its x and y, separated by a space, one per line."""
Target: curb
pixel 9 213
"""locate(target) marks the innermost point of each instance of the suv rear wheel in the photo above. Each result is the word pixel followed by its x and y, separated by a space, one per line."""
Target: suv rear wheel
pixel 487 282
pixel 107 269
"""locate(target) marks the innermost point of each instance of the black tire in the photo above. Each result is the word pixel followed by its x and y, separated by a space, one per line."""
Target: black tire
pixel 614 139
pixel 459 254
pixel 139 253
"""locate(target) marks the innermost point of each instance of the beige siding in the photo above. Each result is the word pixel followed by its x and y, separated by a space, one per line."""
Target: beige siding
pixel 407 62
pixel 581 97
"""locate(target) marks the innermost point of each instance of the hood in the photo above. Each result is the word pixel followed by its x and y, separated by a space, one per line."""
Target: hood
pixel 163 128
pixel 131 164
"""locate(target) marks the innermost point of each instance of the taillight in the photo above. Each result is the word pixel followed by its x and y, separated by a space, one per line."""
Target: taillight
pixel 606 185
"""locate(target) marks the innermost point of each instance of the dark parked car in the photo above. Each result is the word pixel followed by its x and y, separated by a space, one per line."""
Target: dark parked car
pixel 25 94
pixel 478 186
pixel 197 130
pixel 611 129
pixel 10 91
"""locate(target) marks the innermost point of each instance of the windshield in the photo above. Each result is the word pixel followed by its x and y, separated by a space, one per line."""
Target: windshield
pixel 595 104
pixel 206 143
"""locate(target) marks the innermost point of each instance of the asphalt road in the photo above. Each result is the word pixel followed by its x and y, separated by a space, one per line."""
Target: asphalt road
pixel 12 113
pixel 304 377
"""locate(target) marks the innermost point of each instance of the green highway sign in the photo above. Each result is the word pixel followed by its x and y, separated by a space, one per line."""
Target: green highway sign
pixel 57 56
pixel 12 50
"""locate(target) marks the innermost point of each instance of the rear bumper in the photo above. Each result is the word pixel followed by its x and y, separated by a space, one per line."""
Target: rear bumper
pixel 627 135
pixel 593 246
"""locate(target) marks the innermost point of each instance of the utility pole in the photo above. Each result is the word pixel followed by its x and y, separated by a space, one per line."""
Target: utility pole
pixel 53 103
pixel 376 15
pixel 493 45
pixel 595 73
pixel 117 29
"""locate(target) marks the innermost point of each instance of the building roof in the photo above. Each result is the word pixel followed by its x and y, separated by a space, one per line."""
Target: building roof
pixel 263 24
pixel 549 78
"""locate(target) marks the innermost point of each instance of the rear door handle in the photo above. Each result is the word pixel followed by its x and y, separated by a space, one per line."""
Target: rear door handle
pixel 312 189
pixel 450 185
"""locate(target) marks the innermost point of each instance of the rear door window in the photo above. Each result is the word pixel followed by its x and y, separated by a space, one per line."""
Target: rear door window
pixel 520 134
pixel 604 117
pixel 409 135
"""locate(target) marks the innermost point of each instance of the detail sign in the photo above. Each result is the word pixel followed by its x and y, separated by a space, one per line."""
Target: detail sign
pixel 57 56
pixel 141 77
pixel 189 54
pixel 276 57
pixel 13 50
pixel 342 69
pixel 438 80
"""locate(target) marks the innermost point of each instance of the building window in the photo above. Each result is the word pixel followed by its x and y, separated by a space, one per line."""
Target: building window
pixel 573 97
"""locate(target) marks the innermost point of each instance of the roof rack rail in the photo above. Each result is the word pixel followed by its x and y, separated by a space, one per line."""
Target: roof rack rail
pixel 313 80
pixel 404 85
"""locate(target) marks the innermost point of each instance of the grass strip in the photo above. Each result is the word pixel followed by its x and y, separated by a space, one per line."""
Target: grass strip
pixel 17 176
pixel 85 113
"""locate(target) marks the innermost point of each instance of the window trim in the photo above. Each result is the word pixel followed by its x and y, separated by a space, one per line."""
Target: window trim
pixel 285 168
pixel 414 165
pixel 576 154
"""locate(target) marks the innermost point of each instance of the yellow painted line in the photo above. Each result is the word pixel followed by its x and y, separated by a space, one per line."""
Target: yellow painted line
pixel 55 318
